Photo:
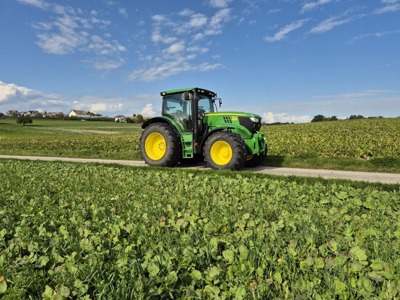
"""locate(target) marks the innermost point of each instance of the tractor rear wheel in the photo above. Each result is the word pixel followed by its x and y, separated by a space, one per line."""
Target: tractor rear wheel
pixel 160 145
pixel 225 150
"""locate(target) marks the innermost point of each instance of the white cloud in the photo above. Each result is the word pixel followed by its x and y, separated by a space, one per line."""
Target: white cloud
pixel 270 117
pixel 197 20
pixel 123 12
pixel 313 5
pixel 354 95
pixel 376 34
pixel 107 65
pixel 9 90
pixel 70 30
pixel 13 96
pixel 104 47
pixel 175 48
pixel 67 37
pixel 284 31
pixel 178 40
pixel 366 103
pixel 273 11
pixel 329 24
pixel 215 24
pixel 158 18
pixel 220 17
pixel 391 7
pixel 373 102
pixel 220 3
pixel 167 68
pixel 197 49
pixel 36 3
pixel 99 107
pixel 112 106
pixel 148 111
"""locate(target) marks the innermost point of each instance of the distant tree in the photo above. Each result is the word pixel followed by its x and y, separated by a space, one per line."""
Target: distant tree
pixel 318 118
pixel 333 118
pixel 356 117
pixel 139 118
pixel 24 120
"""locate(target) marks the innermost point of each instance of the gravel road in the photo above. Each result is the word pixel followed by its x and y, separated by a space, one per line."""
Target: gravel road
pixel 388 178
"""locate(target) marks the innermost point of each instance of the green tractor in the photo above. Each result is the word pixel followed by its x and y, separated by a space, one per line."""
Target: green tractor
pixel 190 129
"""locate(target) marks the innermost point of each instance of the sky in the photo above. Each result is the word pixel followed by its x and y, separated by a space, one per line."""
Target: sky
pixel 286 60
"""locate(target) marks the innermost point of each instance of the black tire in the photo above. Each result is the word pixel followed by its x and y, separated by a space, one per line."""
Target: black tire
pixel 160 145
pixel 225 150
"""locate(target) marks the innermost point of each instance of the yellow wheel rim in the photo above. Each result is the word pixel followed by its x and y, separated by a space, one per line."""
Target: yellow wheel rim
pixel 155 146
pixel 221 153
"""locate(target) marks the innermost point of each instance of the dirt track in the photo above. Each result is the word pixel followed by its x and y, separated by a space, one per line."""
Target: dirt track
pixel 332 174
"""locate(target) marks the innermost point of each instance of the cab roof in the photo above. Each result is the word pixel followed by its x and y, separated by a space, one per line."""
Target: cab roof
pixel 195 89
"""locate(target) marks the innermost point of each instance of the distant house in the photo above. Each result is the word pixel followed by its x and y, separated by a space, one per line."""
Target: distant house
pixel 120 119
pixel 53 115
pixel 31 113
pixel 79 114
pixel 13 113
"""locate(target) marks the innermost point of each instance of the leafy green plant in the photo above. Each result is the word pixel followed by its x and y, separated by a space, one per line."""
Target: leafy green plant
pixel 106 232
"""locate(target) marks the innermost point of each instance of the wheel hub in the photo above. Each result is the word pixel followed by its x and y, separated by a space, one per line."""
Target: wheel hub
pixel 221 152
pixel 155 146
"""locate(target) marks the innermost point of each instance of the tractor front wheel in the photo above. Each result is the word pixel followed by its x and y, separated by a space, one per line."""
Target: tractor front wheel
pixel 225 150
pixel 160 145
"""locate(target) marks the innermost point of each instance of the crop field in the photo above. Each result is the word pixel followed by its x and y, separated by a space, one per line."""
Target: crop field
pixel 87 231
pixel 366 145
pixel 360 139
pixel 71 139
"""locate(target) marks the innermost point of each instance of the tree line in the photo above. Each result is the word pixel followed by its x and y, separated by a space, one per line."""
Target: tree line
pixel 322 118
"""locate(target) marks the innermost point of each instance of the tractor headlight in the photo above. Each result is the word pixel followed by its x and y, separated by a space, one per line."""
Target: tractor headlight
pixel 254 119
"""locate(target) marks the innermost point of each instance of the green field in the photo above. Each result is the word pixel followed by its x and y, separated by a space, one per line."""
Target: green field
pixel 71 139
pixel 366 145
pixel 86 231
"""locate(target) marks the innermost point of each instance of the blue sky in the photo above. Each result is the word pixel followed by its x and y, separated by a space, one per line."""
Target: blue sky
pixel 287 60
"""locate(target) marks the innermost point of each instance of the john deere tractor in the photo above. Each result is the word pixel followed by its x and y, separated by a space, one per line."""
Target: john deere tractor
pixel 190 129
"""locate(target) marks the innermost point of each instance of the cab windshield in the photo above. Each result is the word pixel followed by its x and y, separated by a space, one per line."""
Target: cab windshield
pixel 178 109
pixel 205 105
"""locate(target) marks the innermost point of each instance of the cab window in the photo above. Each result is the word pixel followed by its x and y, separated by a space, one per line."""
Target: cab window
pixel 178 109
pixel 205 105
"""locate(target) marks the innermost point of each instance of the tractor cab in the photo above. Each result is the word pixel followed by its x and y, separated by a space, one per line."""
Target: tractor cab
pixel 187 107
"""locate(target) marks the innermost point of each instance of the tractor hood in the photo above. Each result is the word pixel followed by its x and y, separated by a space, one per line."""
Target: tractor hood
pixel 252 122
pixel 233 114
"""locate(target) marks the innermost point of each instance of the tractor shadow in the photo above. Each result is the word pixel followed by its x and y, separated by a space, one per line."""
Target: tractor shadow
pixel 274 161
